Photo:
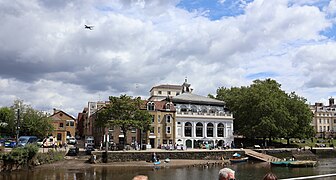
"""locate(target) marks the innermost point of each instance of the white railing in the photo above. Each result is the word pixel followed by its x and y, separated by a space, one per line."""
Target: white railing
pixel 204 114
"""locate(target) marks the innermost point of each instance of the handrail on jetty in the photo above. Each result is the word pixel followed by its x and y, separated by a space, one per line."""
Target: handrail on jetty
pixel 311 177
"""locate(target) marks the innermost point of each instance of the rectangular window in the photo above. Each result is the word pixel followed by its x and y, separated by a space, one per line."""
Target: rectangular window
pixel 152 118
pixel 160 92
pixel 151 131
pixel 59 136
pixel 67 123
pixel 61 125
pixel 168 130
pixel 72 123
pixel 159 130
pixel 159 118
pixel 168 92
pixel 320 121
pixel 168 119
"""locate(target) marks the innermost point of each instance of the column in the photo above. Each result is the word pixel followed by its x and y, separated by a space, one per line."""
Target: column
pixel 193 130
pixel 215 130
pixel 204 129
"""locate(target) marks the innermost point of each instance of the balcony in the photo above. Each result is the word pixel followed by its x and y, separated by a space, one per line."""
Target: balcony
pixel 189 113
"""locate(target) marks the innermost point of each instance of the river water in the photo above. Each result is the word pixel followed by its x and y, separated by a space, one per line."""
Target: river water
pixel 244 171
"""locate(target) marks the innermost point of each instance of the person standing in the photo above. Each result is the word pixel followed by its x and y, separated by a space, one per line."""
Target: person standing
pixel 226 174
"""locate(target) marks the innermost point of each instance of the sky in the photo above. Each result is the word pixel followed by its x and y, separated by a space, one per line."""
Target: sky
pixel 49 60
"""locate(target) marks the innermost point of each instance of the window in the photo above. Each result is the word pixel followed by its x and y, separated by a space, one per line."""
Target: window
pixel 167 118
pixel 320 121
pixel 133 130
pixel 168 92
pixel 59 136
pixel 168 129
pixel 150 106
pixel 220 130
pixel 61 125
pixel 152 119
pixel 199 130
pixel 210 128
pixel 167 106
pixel 159 118
pixel 151 131
pixel 159 130
pixel 187 129
pixel 160 92
pixel 180 122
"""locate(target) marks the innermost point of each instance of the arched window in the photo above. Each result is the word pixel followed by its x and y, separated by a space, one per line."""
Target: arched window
pixel 187 129
pixel 220 130
pixel 150 106
pixel 193 108
pixel 210 127
pixel 204 109
pixel 184 108
pixel 199 130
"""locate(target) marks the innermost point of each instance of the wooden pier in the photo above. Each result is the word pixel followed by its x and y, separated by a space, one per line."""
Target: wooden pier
pixel 260 156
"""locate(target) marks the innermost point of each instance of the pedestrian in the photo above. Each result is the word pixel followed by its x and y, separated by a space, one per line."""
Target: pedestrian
pixel 270 176
pixel 226 174
pixel 140 177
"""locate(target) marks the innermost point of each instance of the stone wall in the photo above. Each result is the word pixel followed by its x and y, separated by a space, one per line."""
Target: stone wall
pixel 146 155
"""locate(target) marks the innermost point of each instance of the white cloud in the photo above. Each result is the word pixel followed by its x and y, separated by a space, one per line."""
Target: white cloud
pixel 50 60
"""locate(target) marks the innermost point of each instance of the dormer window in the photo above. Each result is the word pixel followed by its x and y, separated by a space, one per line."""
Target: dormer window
pixel 168 106
pixel 150 106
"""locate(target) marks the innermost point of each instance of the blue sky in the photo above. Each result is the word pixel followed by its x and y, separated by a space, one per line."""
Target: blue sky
pixel 49 60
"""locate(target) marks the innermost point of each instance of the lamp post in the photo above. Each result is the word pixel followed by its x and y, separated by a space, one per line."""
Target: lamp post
pixel 18 125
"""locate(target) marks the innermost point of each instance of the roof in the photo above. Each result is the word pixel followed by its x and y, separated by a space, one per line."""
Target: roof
pixel 160 105
pixel 58 112
pixel 167 86
pixel 196 99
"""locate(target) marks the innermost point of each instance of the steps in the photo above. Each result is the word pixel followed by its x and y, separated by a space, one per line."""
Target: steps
pixel 261 156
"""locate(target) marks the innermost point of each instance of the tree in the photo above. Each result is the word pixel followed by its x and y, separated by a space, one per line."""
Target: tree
pixel 124 112
pixel 7 121
pixel 31 121
pixel 264 110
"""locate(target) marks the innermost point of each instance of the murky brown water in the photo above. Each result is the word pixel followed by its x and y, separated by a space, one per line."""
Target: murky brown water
pixel 248 171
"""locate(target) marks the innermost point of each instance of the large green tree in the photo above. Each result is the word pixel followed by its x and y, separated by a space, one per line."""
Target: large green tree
pixel 31 121
pixel 124 112
pixel 264 110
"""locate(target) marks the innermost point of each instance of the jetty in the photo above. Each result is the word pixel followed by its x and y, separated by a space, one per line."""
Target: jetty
pixel 260 156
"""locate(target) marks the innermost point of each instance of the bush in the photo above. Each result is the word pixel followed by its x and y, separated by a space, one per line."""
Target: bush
pixel 20 155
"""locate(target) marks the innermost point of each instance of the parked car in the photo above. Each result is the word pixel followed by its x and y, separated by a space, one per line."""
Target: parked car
pixel 24 140
pixel 72 140
pixel 39 142
pixel 10 143
pixel 73 151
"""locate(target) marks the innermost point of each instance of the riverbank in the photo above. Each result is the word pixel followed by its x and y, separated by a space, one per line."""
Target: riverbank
pixel 82 163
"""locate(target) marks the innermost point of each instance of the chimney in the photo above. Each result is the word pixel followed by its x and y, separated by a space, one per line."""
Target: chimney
pixel 55 110
pixel 331 101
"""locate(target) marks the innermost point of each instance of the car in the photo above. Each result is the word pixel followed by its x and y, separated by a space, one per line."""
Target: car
pixel 72 140
pixel 73 151
pixel 24 140
pixel 10 143
pixel 39 142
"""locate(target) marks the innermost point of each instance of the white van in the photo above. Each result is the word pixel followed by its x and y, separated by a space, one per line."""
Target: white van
pixel 49 142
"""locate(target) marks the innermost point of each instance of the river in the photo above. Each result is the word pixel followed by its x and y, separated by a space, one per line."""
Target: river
pixel 244 171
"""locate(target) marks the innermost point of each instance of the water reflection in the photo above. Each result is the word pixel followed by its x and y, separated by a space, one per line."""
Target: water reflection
pixel 250 170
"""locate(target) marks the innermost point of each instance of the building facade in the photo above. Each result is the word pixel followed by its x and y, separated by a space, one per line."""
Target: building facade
pixel 64 125
pixel 163 123
pixel 201 121
pixel 324 120
pixel 161 92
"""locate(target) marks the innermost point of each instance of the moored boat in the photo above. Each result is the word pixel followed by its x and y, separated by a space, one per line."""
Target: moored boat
pixel 295 163
pixel 236 158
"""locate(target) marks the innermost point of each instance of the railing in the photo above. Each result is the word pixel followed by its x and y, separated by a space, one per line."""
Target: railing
pixel 204 114
pixel 311 177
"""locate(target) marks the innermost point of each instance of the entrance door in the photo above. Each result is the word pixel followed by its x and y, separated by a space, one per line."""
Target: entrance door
pixel 151 142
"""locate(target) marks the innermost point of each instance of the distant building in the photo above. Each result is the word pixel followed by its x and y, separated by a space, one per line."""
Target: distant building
pixel 201 121
pixel 324 121
pixel 64 125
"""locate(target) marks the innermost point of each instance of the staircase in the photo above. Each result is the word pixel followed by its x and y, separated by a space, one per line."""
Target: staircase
pixel 261 156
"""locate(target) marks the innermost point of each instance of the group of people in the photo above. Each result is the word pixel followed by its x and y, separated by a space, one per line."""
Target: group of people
pixel 224 174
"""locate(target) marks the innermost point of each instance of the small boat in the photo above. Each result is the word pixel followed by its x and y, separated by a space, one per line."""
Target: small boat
pixel 236 158
pixel 167 160
pixel 157 162
pixel 295 163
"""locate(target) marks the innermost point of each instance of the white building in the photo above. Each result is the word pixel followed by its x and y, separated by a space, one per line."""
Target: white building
pixel 201 120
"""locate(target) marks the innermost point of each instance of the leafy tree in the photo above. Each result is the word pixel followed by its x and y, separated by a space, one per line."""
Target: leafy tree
pixel 264 110
pixel 7 121
pixel 124 112
pixel 31 122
